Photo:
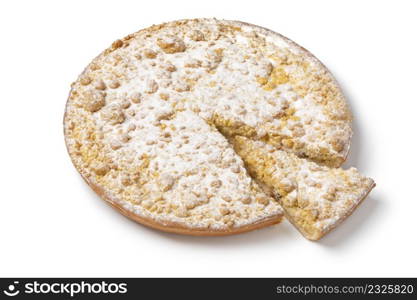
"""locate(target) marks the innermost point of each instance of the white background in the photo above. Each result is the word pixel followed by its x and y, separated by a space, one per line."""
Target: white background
pixel 52 224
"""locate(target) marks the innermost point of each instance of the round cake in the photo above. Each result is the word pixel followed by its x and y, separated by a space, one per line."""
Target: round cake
pixel 150 122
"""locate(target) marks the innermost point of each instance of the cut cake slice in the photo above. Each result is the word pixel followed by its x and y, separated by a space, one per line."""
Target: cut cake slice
pixel 315 198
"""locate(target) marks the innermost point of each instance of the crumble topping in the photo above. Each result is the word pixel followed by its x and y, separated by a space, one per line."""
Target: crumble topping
pixel 150 119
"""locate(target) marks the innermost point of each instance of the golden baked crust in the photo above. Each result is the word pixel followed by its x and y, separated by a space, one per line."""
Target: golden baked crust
pixel 147 123
pixel 180 228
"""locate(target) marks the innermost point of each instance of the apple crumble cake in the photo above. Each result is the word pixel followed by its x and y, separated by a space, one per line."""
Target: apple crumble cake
pixel 213 127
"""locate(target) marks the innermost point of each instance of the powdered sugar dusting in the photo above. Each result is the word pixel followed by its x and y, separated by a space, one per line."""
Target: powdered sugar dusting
pixel 141 119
